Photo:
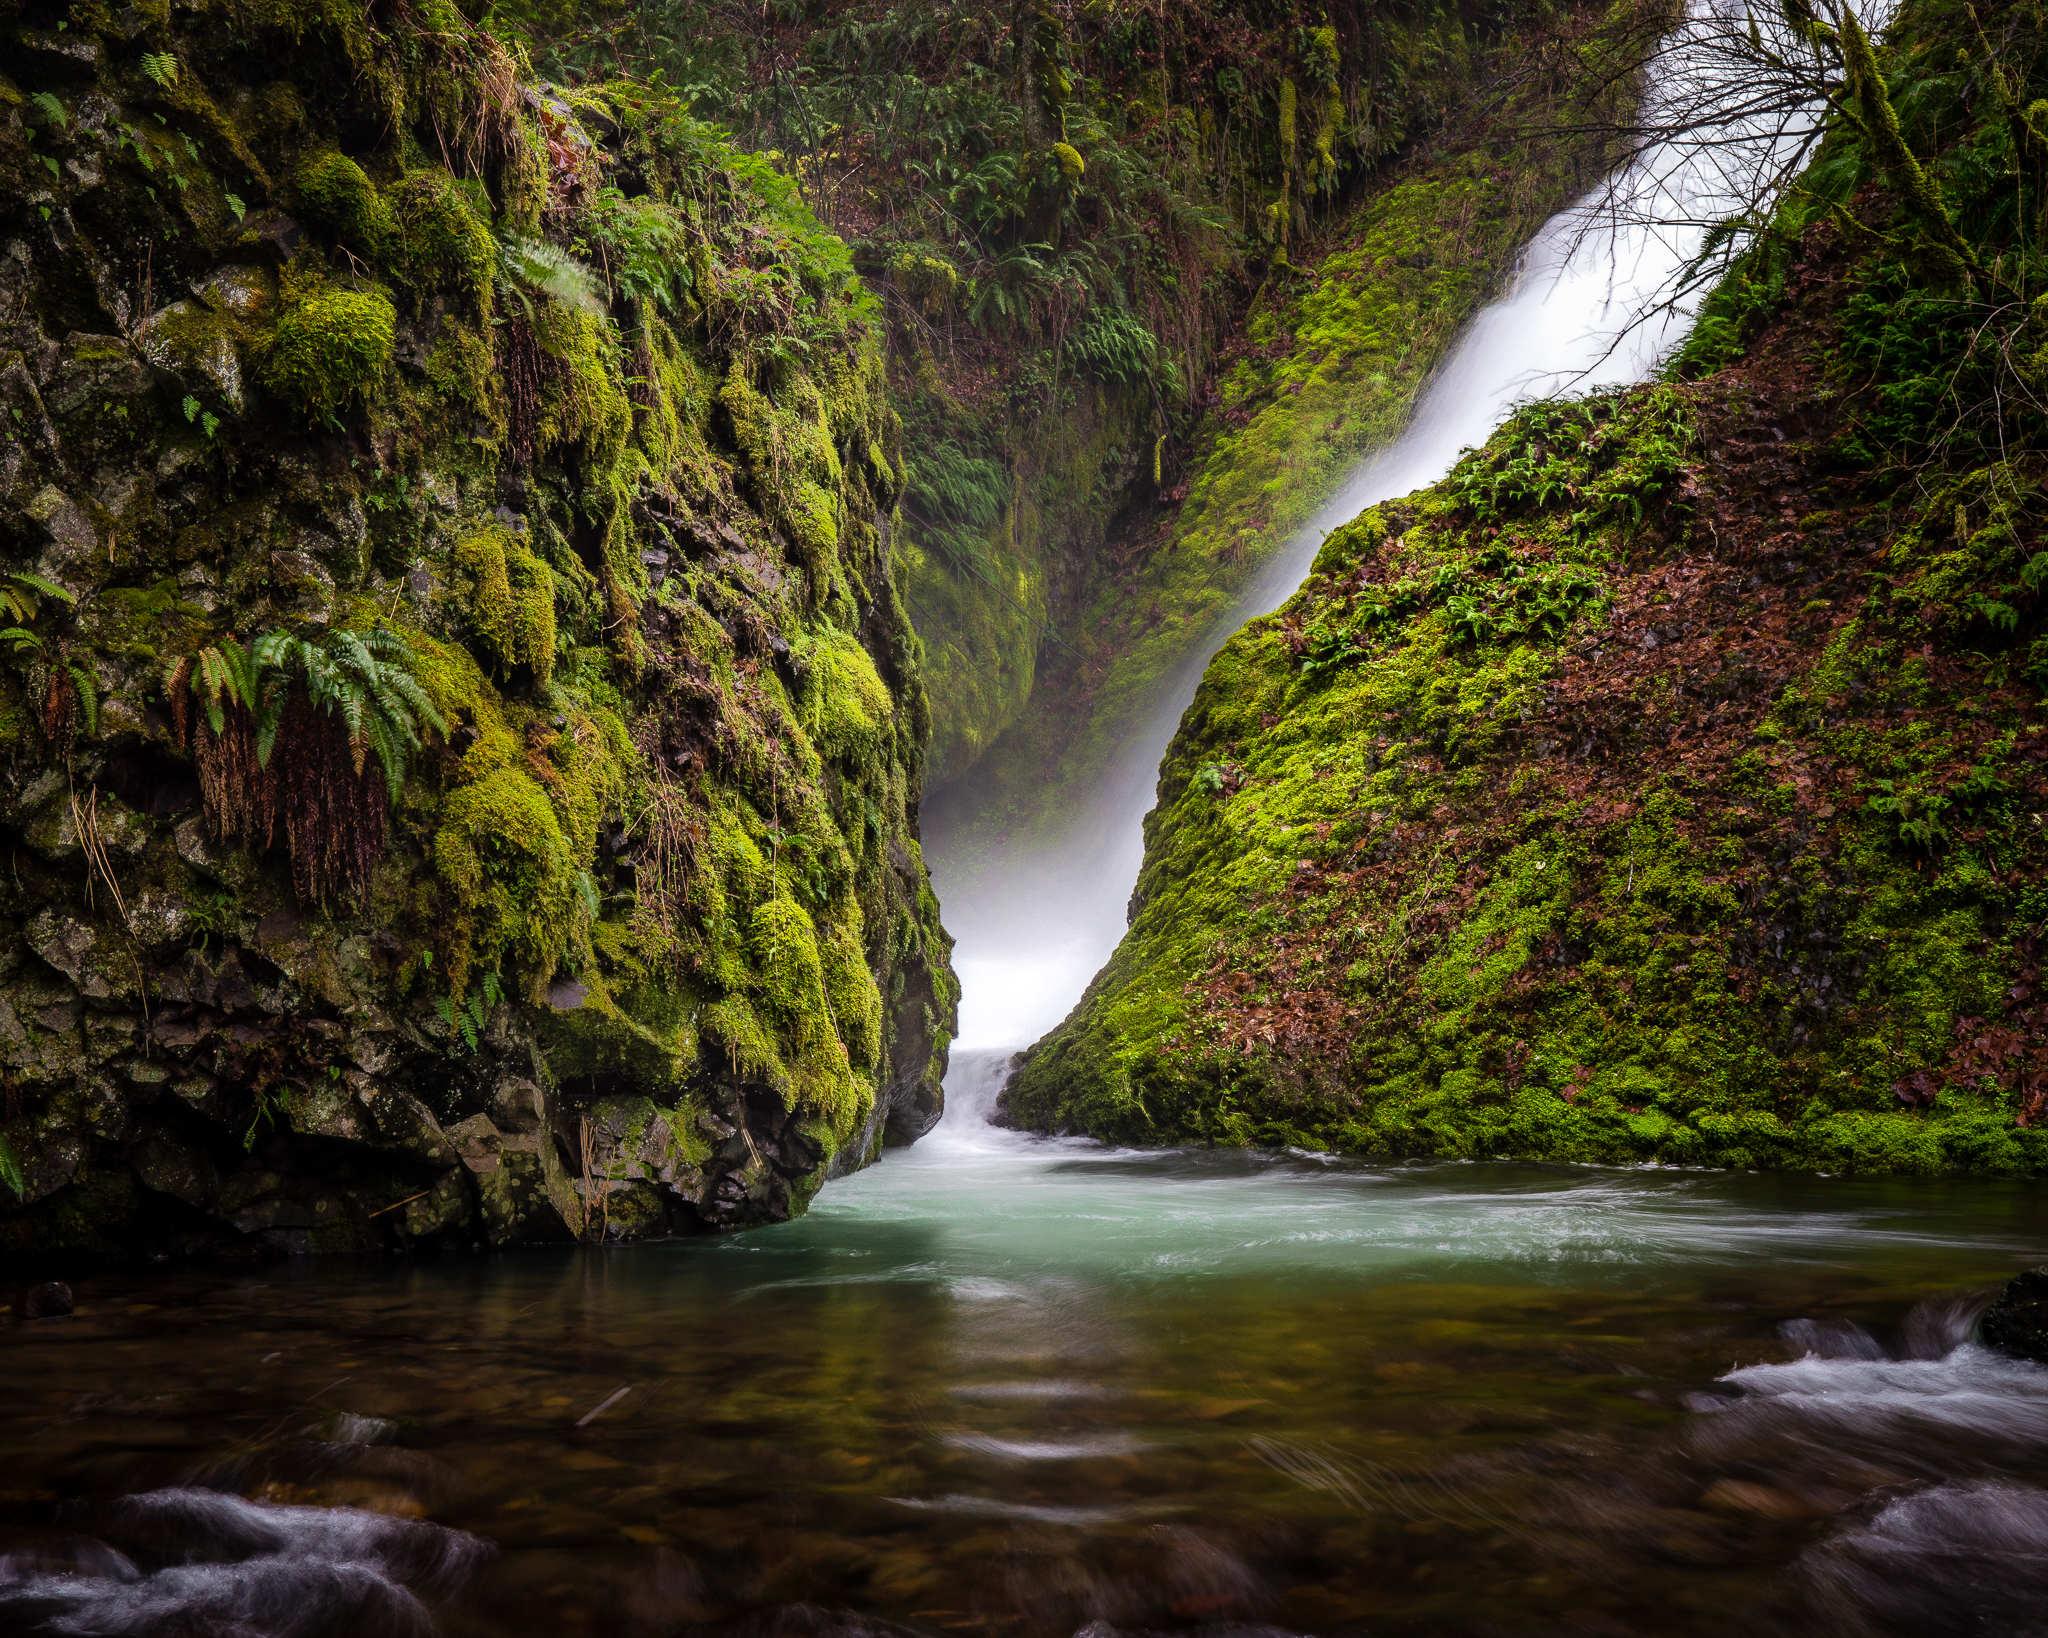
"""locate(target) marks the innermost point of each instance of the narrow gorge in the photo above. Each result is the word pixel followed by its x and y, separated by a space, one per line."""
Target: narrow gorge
pixel 1050 819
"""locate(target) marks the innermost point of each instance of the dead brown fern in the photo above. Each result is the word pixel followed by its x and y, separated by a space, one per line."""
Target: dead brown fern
pixel 331 813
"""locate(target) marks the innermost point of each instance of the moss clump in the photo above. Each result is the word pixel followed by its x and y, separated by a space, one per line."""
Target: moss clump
pixel 784 945
pixel 519 826
pixel 512 604
pixel 438 241
pixel 850 987
pixel 501 852
pixel 329 349
pixel 334 192
pixel 845 702
pixel 750 1046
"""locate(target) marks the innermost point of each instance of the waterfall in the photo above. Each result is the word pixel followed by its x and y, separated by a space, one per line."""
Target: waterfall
pixel 1031 934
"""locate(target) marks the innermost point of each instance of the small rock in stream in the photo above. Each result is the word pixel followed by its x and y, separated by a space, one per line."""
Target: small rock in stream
pixel 2017 1323
pixel 48 1301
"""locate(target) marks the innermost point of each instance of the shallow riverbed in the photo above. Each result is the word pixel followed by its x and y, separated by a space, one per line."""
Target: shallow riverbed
pixel 1011 1386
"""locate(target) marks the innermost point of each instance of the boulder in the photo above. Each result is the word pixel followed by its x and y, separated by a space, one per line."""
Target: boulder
pixel 2017 1323
pixel 51 1300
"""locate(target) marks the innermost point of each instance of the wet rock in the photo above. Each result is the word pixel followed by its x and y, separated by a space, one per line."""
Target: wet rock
pixel 2017 1323
pixel 329 1109
pixel 67 944
pixel 444 1207
pixel 406 1123
pixel 51 1300
pixel 192 352
pixel 516 1105
pixel 172 1165
pixel 236 290
pixel 71 538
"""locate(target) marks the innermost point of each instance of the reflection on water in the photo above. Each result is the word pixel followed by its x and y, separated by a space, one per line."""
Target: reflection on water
pixel 1011 1386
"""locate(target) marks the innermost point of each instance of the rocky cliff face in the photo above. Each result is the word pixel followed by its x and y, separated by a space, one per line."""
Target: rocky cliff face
pixel 1666 783
pixel 462 736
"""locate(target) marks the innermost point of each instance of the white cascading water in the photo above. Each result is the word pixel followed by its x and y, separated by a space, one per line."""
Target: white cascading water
pixel 1032 932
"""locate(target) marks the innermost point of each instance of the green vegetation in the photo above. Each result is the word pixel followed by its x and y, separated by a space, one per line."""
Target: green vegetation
pixel 1061 212
pixel 506 519
pixel 1659 786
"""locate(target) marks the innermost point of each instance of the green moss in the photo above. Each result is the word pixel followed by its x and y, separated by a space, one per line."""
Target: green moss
pixel 784 946
pixel 334 192
pixel 1378 913
pixel 855 997
pixel 749 824
pixel 1356 341
pixel 438 241
pixel 501 852
pixel 512 605
pixel 846 705
pixel 583 398
pixel 512 837
pixel 750 1047
pixel 329 349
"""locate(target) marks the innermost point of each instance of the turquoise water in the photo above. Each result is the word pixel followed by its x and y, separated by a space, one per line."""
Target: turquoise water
pixel 1005 1385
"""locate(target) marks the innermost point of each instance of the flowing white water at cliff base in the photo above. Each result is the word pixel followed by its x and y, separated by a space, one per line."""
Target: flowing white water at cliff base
pixel 1032 931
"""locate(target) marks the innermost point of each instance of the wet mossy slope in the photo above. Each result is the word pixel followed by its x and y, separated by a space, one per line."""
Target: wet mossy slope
pixel 1666 783
pixel 462 733
pixel 1341 331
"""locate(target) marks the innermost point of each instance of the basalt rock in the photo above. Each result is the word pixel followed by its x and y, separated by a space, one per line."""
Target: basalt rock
pixel 50 1300
pixel 2017 1323
pixel 647 945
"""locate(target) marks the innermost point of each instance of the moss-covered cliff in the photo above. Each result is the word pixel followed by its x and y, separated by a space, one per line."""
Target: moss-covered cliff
pixel 463 732
pixel 1665 783
pixel 1084 223
pixel 1342 327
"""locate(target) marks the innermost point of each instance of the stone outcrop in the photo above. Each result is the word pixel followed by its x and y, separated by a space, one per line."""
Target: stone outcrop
pixel 647 944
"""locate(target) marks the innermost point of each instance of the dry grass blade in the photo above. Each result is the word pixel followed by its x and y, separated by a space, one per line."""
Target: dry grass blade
pixel 85 820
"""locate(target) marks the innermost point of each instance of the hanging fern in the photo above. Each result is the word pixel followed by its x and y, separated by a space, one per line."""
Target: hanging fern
pixel 284 732
pixel 60 679
pixel 1114 346
pixel 534 265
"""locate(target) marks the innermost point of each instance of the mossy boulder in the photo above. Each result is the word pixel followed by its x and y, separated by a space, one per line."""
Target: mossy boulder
pixel 512 605
pixel 334 192
pixel 329 350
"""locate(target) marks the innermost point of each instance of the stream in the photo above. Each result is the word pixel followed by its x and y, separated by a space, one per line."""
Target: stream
pixel 1007 1385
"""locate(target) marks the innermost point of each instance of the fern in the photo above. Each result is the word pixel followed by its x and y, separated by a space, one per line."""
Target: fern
pixel 20 595
pixel 11 1173
pixel 162 67
pixel 52 108
pixel 533 264
pixel 88 696
pixel 1115 346
pixel 361 678
pixel 467 1018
